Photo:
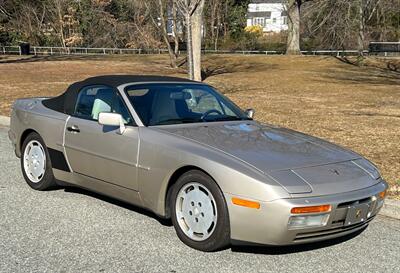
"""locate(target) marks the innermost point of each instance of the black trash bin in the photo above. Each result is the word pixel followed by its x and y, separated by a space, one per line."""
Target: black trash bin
pixel 25 48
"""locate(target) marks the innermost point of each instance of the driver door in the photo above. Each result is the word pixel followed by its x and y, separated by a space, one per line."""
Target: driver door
pixel 98 151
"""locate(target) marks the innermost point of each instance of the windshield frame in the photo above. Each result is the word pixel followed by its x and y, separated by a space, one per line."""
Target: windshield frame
pixel 240 114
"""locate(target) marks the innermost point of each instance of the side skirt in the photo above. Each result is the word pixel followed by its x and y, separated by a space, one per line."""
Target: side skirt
pixel 98 186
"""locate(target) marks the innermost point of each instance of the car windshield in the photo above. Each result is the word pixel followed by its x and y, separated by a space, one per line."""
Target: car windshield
pixel 176 103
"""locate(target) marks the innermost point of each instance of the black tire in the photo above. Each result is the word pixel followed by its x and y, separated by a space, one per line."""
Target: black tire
pixel 220 236
pixel 47 180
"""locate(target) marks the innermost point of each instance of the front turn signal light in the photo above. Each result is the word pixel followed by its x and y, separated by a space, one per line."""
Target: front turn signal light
pixel 312 209
pixel 245 203
pixel 382 194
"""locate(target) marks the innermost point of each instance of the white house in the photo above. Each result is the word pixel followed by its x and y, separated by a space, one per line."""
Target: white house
pixel 270 14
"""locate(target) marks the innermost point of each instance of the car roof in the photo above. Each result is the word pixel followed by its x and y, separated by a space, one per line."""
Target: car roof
pixel 66 102
pixel 117 80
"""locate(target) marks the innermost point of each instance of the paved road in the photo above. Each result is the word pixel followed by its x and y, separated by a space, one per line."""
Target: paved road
pixel 76 231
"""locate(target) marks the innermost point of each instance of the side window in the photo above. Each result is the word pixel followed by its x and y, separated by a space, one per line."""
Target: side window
pixel 93 100
pixel 120 108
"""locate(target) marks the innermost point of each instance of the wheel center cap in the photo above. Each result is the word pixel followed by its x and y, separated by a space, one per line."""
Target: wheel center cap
pixel 196 211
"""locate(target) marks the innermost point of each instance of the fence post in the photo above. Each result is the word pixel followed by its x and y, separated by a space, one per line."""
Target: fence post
pixel 34 50
pixel 104 51
pixel 19 49
pixel 51 51
pixel 4 50
pixel 140 50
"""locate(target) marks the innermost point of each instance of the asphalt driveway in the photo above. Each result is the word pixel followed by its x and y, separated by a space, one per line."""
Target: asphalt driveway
pixel 71 230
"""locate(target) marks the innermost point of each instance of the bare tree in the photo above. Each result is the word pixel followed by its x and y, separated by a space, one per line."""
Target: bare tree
pixel 348 24
pixel 165 9
pixel 197 27
pixel 293 40
pixel 162 23
pixel 215 12
pixel 192 11
pixel 366 9
pixel 175 23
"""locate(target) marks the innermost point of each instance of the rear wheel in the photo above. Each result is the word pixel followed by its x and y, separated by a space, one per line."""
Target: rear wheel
pixel 199 212
pixel 35 163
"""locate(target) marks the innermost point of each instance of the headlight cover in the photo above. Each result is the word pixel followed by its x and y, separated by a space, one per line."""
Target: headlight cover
pixel 368 167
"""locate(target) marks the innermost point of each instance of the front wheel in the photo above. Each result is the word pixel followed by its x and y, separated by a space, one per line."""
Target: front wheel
pixel 35 163
pixel 199 212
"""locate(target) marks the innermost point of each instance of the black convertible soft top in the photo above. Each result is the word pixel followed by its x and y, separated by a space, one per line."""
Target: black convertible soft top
pixel 65 102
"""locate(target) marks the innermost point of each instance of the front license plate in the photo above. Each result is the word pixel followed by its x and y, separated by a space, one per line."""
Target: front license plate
pixel 357 214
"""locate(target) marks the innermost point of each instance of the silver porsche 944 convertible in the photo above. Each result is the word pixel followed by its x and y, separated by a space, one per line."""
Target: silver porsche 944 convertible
pixel 184 151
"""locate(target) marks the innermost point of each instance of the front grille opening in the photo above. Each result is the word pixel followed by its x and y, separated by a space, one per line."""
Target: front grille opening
pixel 354 202
pixel 338 222
pixel 329 232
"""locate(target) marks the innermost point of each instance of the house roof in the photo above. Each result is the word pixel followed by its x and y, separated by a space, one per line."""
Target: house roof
pixel 252 14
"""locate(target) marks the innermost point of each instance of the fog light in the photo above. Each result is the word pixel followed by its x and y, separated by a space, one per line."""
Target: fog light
pixel 305 221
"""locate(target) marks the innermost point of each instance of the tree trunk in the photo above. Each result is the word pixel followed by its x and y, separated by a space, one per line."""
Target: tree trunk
pixel 361 36
pixel 171 53
pixel 189 48
pixel 213 8
pixel 61 23
pixel 217 32
pixel 197 23
pixel 293 40
pixel 175 30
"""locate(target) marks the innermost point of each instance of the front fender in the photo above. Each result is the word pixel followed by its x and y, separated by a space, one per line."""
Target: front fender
pixel 161 154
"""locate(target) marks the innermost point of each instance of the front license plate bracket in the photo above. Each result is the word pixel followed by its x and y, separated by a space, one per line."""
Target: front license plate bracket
pixel 357 214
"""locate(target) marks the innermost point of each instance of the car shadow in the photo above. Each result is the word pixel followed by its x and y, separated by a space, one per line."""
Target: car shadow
pixel 282 250
pixel 254 249
pixel 122 204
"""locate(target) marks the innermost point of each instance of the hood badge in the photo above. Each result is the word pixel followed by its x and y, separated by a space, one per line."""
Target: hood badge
pixel 334 171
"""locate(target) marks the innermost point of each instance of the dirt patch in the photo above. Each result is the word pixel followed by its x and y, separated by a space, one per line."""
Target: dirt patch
pixel 357 107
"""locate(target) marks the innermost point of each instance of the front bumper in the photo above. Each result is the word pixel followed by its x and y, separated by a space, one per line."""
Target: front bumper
pixel 269 224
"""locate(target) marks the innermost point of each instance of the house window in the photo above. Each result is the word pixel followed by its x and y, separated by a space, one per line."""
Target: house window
pixel 285 22
pixel 274 20
pixel 258 21
pixel 267 15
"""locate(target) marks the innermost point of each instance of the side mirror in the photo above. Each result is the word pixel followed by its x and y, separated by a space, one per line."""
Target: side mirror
pixel 112 119
pixel 250 113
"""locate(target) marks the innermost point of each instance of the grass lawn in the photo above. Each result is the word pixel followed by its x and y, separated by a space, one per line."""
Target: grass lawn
pixel 357 107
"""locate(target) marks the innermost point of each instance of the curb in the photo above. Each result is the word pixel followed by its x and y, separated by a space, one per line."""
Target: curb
pixel 4 121
pixel 391 208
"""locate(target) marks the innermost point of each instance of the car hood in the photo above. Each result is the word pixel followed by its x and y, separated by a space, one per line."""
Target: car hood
pixel 293 159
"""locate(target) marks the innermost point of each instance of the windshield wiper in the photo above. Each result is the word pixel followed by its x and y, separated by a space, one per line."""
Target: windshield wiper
pixel 178 120
pixel 226 118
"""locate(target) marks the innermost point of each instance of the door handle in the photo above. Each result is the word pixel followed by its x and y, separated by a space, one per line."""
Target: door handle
pixel 73 129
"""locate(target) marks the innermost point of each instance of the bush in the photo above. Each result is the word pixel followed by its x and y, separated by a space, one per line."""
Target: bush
pixel 254 39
